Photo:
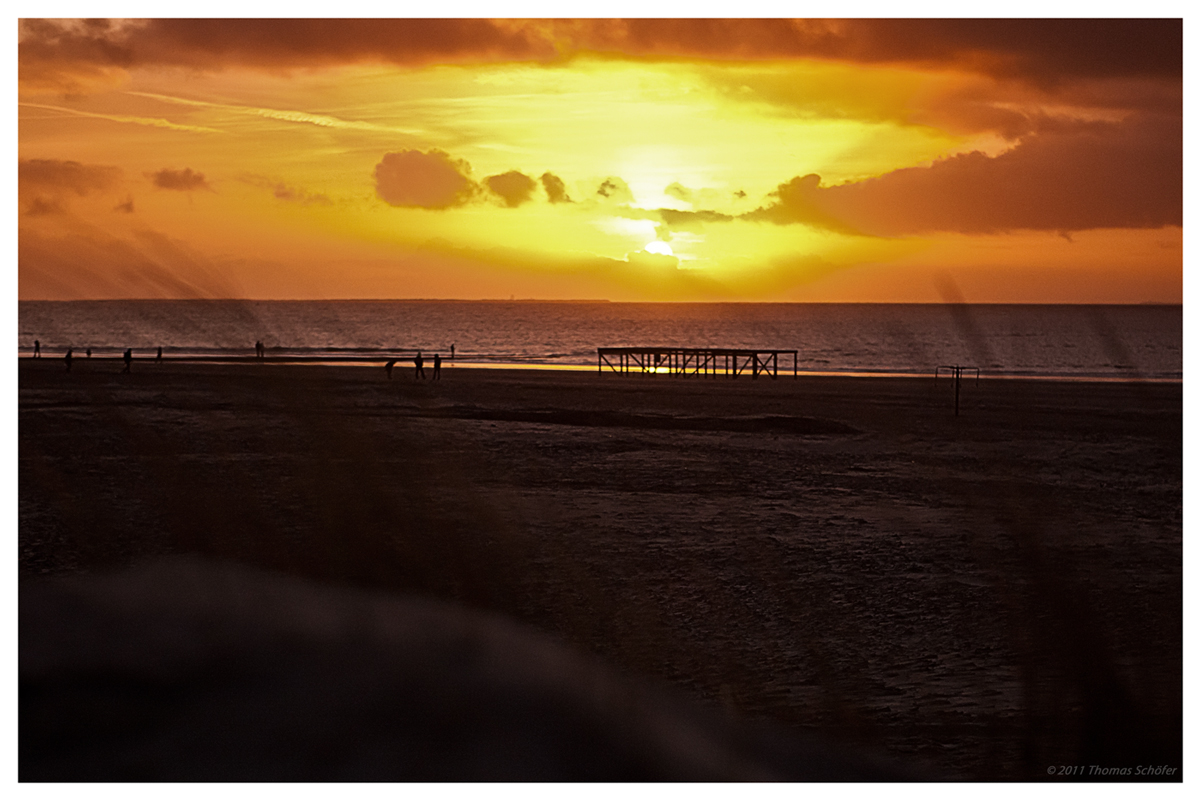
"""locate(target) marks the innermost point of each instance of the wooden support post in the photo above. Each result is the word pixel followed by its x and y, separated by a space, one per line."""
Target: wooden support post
pixel 957 370
pixel 957 383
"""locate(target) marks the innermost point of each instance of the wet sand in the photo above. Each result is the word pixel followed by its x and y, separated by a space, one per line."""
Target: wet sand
pixel 986 596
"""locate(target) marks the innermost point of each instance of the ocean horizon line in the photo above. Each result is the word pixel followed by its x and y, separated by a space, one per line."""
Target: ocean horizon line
pixel 586 301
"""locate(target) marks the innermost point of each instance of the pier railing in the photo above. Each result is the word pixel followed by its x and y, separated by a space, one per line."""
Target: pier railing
pixel 707 362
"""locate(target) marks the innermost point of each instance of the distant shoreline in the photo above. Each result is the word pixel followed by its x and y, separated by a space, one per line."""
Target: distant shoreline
pixel 403 362
pixel 601 301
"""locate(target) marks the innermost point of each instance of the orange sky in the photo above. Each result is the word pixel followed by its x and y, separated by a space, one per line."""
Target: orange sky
pixel 858 160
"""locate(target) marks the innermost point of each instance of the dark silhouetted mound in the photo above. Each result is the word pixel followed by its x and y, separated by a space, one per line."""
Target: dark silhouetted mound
pixel 193 671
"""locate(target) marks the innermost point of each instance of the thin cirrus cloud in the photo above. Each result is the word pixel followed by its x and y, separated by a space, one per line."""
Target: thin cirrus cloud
pixel 152 122
pixel 283 115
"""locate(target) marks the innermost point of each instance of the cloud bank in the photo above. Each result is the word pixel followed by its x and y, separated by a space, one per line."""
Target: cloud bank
pixel 1091 176
pixel 60 54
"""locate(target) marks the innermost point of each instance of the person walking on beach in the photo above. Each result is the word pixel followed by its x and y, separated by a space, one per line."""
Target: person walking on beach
pixel 158 357
pixel 67 358
pixel 37 349
pixel 259 350
pixel 437 367
pixel 128 359
pixel 388 366
pixel 89 352
pixel 451 351
pixel 420 363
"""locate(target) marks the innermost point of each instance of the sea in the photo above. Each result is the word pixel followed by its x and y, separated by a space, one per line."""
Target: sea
pixel 1072 342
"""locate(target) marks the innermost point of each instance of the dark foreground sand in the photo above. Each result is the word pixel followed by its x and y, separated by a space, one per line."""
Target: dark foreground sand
pixel 985 596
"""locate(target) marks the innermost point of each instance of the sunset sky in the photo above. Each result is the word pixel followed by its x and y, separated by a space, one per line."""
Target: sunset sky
pixel 857 160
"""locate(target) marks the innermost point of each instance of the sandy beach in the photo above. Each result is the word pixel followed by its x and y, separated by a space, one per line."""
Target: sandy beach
pixel 986 596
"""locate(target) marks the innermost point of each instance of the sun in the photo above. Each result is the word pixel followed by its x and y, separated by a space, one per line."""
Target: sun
pixel 659 248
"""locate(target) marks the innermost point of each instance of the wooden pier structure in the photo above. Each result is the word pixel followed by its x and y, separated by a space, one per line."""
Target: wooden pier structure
pixel 707 362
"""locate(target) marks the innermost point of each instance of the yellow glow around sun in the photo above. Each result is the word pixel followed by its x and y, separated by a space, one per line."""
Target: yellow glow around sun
pixel 646 180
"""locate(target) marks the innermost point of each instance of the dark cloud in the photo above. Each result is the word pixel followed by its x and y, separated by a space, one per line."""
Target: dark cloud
pixel 53 51
pixel 556 190
pixel 800 200
pixel 68 56
pixel 288 194
pixel 65 176
pixel 180 180
pixel 695 197
pixel 65 55
pixel 679 192
pixel 615 190
pixel 433 179
pixel 513 187
pixel 1069 178
pixel 436 180
pixel 293 195
pixel 1037 50
pixel 690 220
pixel 41 206
pixel 125 207
pixel 44 185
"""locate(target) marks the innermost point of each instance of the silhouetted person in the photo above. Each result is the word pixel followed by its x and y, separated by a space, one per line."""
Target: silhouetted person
pixel 37 349
pixel 159 356
pixel 388 366
pixel 451 352
pixel 128 359
pixel 67 358
pixel 89 352
pixel 437 367
pixel 420 362
pixel 260 349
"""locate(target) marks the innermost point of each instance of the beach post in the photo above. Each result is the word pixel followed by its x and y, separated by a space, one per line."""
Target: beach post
pixel 958 371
